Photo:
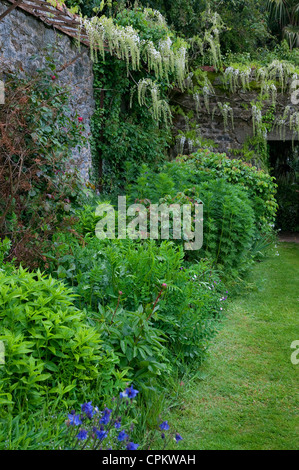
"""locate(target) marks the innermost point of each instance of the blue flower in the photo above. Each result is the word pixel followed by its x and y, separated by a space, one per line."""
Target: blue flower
pixel 122 436
pixel 178 437
pixel 117 424
pixel 101 434
pixel 106 418
pixel 164 426
pixel 132 446
pixel 87 408
pixel 82 435
pixel 74 419
pixel 129 393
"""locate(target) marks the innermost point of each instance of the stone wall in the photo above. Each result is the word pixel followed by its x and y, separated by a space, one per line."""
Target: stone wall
pixel 212 127
pixel 22 37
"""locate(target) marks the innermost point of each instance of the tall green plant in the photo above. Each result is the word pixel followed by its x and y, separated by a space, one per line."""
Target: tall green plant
pixel 287 12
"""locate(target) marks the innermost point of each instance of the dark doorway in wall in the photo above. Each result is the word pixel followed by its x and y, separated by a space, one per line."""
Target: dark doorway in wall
pixel 284 165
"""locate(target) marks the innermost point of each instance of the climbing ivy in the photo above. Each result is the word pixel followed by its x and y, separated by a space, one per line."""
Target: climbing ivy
pixel 125 132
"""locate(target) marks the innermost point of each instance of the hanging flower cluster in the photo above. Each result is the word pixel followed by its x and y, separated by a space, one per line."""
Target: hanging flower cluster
pixel 164 60
pixel 207 91
pixel 226 111
pixel 294 124
pixel 289 119
pixel 125 43
pixel 160 108
pixel 281 71
pixel 269 90
pixel 235 77
pixel 257 122
pixel 154 15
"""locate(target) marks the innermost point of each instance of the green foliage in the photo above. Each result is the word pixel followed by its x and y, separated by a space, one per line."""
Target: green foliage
pixel 184 320
pixel 137 342
pixel 50 349
pixel 207 44
pixel 246 24
pixel 126 134
pixel 264 56
pixel 287 12
pixel 123 310
pixel 4 249
pixel 228 224
pixel 228 220
pixel 239 203
pixel 183 15
pixel 259 185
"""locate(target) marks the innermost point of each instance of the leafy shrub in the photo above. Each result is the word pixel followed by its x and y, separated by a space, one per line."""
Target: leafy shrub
pixel 139 345
pixel 204 166
pixel 187 309
pixel 259 185
pixel 50 349
pixel 229 222
pixel 37 134
pixel 4 249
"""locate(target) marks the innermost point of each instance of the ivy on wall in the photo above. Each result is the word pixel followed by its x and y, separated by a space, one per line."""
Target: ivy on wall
pixel 125 134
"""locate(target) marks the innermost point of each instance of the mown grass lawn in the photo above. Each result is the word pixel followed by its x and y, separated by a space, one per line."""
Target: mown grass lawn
pixel 248 398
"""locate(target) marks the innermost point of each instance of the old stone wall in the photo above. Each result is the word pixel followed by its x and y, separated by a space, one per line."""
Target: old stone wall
pixel 212 127
pixel 23 43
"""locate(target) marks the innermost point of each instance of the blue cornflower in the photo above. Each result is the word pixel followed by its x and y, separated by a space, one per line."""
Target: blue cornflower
pixel 132 446
pixel 122 436
pixel 82 435
pixel 74 419
pixel 164 426
pixel 178 437
pixel 106 418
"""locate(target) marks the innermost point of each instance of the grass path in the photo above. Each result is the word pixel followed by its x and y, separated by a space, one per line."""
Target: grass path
pixel 249 396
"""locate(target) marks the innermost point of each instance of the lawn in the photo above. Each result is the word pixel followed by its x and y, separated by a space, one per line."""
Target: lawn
pixel 248 398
